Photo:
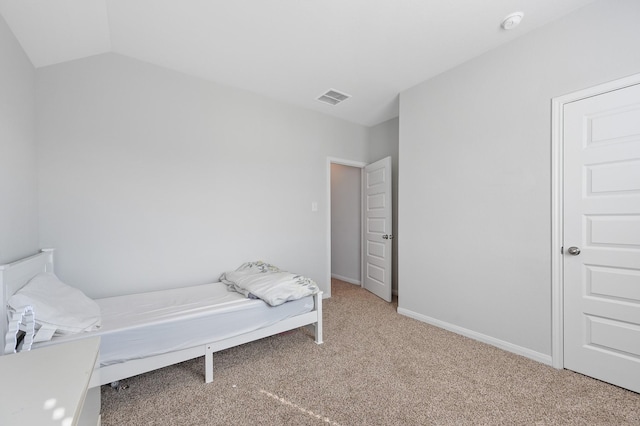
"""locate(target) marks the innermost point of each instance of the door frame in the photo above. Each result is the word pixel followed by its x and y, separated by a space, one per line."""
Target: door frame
pixel 557 206
pixel 343 162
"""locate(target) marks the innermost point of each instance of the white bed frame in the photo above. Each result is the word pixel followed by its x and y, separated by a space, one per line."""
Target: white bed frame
pixel 14 276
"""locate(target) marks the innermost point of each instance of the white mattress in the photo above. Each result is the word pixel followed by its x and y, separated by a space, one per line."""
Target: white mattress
pixel 141 325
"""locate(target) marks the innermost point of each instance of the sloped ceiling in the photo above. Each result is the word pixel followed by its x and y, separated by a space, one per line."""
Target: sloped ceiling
pixel 290 50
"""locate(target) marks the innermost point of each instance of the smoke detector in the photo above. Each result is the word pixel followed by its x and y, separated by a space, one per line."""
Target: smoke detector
pixel 333 97
pixel 512 21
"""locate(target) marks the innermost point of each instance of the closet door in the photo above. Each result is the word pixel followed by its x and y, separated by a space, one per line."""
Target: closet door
pixel 601 248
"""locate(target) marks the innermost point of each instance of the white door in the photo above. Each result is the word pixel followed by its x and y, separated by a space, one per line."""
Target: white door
pixel 602 237
pixel 377 241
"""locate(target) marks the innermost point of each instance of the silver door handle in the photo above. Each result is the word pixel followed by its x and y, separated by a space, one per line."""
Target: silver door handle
pixel 574 251
pixel 387 237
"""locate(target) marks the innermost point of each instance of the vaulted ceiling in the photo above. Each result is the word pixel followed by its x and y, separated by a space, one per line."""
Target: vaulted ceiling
pixel 290 50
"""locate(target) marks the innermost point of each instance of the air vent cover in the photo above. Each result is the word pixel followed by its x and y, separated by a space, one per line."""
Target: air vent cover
pixel 333 97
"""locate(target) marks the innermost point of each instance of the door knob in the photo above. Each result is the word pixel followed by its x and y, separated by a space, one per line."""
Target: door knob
pixel 574 251
pixel 387 237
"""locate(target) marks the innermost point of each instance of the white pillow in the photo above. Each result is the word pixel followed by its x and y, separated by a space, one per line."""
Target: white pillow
pixel 56 305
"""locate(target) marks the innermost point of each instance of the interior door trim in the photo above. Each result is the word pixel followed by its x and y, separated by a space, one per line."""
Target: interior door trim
pixel 557 197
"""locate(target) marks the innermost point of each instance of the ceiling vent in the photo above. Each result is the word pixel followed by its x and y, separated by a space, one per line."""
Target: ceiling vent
pixel 333 97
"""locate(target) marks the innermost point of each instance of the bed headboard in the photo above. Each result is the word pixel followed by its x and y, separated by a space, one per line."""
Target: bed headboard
pixel 14 275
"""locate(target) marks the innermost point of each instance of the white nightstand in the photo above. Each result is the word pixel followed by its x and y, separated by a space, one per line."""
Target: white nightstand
pixel 48 386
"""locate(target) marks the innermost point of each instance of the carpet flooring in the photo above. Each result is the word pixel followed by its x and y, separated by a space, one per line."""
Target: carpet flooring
pixel 376 367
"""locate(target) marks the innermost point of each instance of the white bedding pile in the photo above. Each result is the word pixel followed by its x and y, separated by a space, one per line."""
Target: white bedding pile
pixel 267 282
pixel 58 308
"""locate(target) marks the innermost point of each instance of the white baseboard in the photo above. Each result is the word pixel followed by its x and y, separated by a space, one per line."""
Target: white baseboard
pixel 345 279
pixel 510 347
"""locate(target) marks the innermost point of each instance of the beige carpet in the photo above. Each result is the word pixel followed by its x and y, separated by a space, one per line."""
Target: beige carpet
pixel 375 368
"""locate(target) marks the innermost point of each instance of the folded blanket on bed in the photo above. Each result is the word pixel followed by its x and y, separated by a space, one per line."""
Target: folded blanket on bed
pixel 267 282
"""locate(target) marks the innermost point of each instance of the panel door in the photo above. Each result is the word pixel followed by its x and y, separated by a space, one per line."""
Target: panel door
pixel 377 242
pixel 601 249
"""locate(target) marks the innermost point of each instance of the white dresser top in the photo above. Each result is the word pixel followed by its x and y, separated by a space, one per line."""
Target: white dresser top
pixel 46 386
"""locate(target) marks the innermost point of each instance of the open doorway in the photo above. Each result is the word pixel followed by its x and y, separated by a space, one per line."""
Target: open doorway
pixel 337 171
pixel 360 240
pixel 346 223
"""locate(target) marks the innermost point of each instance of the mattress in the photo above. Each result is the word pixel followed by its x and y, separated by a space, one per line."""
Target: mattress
pixel 142 325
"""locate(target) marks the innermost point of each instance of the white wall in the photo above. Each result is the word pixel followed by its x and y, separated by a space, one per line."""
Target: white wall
pixel 383 142
pixel 18 187
pixel 475 149
pixel 152 179
pixel 346 223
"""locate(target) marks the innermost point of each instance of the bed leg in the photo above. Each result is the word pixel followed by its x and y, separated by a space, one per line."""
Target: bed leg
pixel 318 325
pixel 208 364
